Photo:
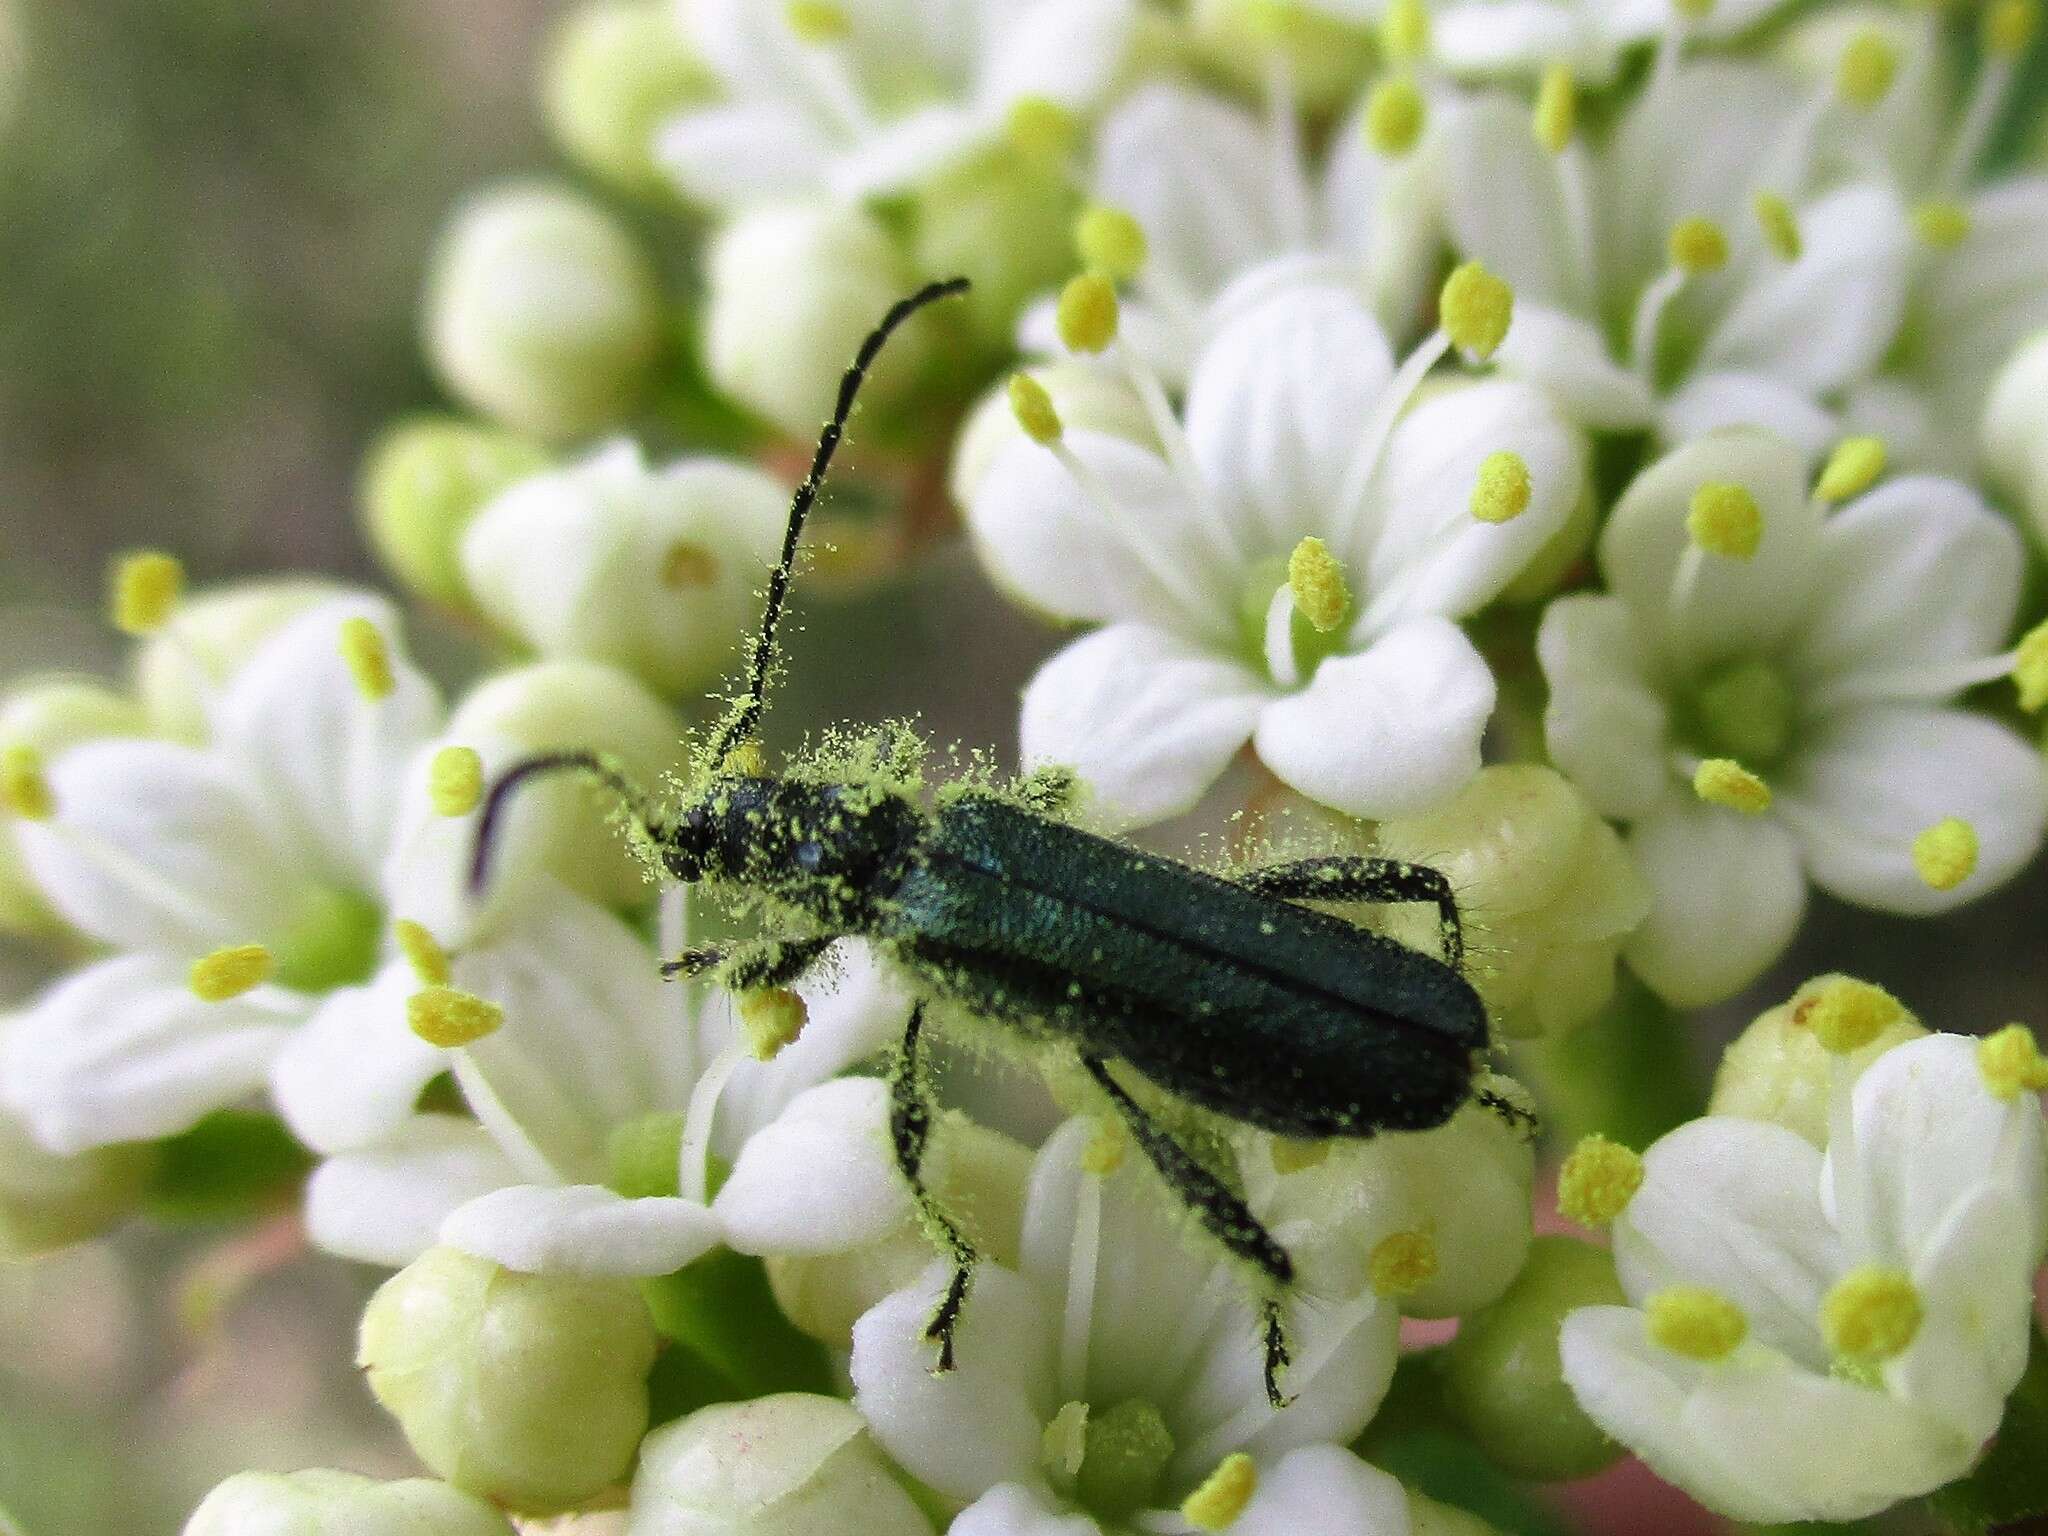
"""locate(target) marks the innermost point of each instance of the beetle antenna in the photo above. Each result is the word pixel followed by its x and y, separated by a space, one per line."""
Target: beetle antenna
pixel 540 766
pixel 746 716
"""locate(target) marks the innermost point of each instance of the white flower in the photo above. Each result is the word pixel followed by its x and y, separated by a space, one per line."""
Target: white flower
pixel 1119 1341
pixel 1820 1336
pixel 1590 37
pixel 1766 695
pixel 863 97
pixel 1289 572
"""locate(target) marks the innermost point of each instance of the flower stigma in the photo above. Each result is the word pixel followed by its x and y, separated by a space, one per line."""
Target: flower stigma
pixel 1402 1263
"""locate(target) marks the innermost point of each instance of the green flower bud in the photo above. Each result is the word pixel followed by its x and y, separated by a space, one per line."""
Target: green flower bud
pixel 1501 1375
pixel 2014 435
pixel 788 1465
pixel 544 312
pixel 1004 224
pixel 1327 59
pixel 792 291
pixel 49 718
pixel 1547 888
pixel 318 1502
pixel 423 482
pixel 205 643
pixel 615 71
pixel 1780 1070
pixel 49 1202
pixel 529 1390
pixel 1084 397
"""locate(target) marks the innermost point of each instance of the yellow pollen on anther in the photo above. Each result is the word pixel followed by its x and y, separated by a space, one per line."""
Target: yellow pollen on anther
pixel 24 787
pixel 1725 520
pixel 1475 309
pixel 447 1017
pixel 1845 1014
pixel 771 1018
pixel 1292 1155
pixel 455 781
pixel 2030 668
pixel 2011 1063
pixel 1597 1181
pixel 1945 855
pixel 1557 109
pixel 1402 1263
pixel 1941 226
pixel 1692 1321
pixel 2010 27
pixel 1034 410
pixel 1394 116
pixel 1724 782
pixel 1851 469
pixel 1866 69
pixel 1774 216
pixel 1223 1495
pixel 145 591
pixel 1404 30
pixel 1696 245
pixel 1871 1314
pixel 1106 1149
pixel 1501 493
pixel 746 759
pixel 1316 578
pixel 1042 131
pixel 1111 242
pixel 368 658
pixel 1088 313
pixel 230 972
pixel 422 951
pixel 817 21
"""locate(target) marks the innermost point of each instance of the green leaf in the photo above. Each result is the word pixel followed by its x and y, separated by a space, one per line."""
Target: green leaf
pixel 2010 1485
pixel 233 1162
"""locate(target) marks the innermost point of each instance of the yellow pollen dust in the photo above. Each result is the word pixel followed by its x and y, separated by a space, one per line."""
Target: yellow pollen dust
pixel 1597 1181
pixel 1774 216
pixel 1106 1149
pixel 422 951
pixel 146 588
pixel 1042 131
pixel 1725 520
pixel 1223 1495
pixel 1692 1321
pixel 1394 116
pixel 24 787
pixel 368 658
pixel 1088 313
pixel 1851 469
pixel 1402 1263
pixel 1871 1314
pixel 1501 493
pixel 455 781
pixel 1724 782
pixel 448 1017
pixel 1292 1155
pixel 688 565
pixel 771 1018
pixel 1945 855
pixel 1034 410
pixel 1316 578
pixel 1404 30
pixel 1941 226
pixel 1111 242
pixel 817 21
pixel 230 972
pixel 1696 245
pixel 2030 668
pixel 746 758
pixel 1557 109
pixel 1475 309
pixel 2010 27
pixel 1866 69
pixel 2011 1063
pixel 1845 1014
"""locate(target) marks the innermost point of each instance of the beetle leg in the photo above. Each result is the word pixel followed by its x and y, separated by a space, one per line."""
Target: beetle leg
pixel 1351 877
pixel 910 1128
pixel 1228 1219
pixel 768 963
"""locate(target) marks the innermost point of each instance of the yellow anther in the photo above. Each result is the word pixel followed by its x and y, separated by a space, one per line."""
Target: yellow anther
pixel 1871 1314
pixel 688 565
pixel 1692 1321
pixel 146 588
pixel 1402 1263
pixel 422 951
pixel 1851 469
pixel 1106 1149
pixel 1088 313
pixel 771 1018
pixel 817 21
pixel 1942 226
pixel 1774 216
pixel 746 759
pixel 1034 410
pixel 1223 1495
pixel 2012 1063
pixel 1557 109
pixel 368 658
pixel 1866 69
pixel 1064 1444
pixel 1724 782
pixel 445 1016
pixel 1394 116
pixel 455 780
pixel 1475 309
pixel 1111 242
pixel 1042 131
pixel 1404 30
pixel 1291 1155
pixel 230 972
pixel 1501 494
pixel 1725 520
pixel 1845 1015
pixel 1597 1181
pixel 2030 668
pixel 1697 245
pixel 1316 578
pixel 2010 27
pixel 24 787
pixel 1945 855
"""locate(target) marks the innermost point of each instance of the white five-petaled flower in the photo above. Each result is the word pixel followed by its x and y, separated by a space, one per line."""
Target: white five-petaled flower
pixel 854 98
pixel 1821 1336
pixel 1289 571
pixel 1119 1371
pixel 1766 693
pixel 1589 37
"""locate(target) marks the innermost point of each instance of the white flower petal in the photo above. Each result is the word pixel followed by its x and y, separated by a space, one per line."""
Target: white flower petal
pixel 1718 402
pixel 738 153
pixel 1728 893
pixel 1505 201
pixel 581 1229
pixel 1484 37
pixel 820 1178
pixel 352 1074
pixel 1012 1509
pixel 1065 51
pixel 384 1204
pixel 1324 1490
pixel 1974 304
pixel 1386 216
pixel 910 150
pixel 1569 357
pixel 1607 726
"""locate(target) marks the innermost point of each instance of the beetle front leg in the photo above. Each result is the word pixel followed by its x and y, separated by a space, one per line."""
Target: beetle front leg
pixel 1353 877
pixel 748 967
pixel 910 1128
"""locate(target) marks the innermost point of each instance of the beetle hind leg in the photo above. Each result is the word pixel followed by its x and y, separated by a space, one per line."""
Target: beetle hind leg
pixel 910 1128
pixel 1348 877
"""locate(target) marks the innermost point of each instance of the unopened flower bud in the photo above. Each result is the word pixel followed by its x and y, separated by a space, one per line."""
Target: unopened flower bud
pixel 38 724
pixel 1326 57
pixel 1780 1070
pixel 615 71
pixel 1001 222
pixel 2014 434
pixel 423 482
pixel 318 1502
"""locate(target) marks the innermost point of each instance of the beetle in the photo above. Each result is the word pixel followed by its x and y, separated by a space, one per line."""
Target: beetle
pixel 1223 993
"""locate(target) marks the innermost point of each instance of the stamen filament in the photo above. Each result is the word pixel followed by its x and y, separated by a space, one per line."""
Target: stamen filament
pixel 1379 427
pixel 1178 583
pixel 1084 1262
pixel 695 1157
pixel 1180 454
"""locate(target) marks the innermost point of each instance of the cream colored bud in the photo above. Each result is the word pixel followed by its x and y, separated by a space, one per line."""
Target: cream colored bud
pixel 614 73
pixel 424 480
pixel 1779 1070
pixel 318 1502
pixel 1326 57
